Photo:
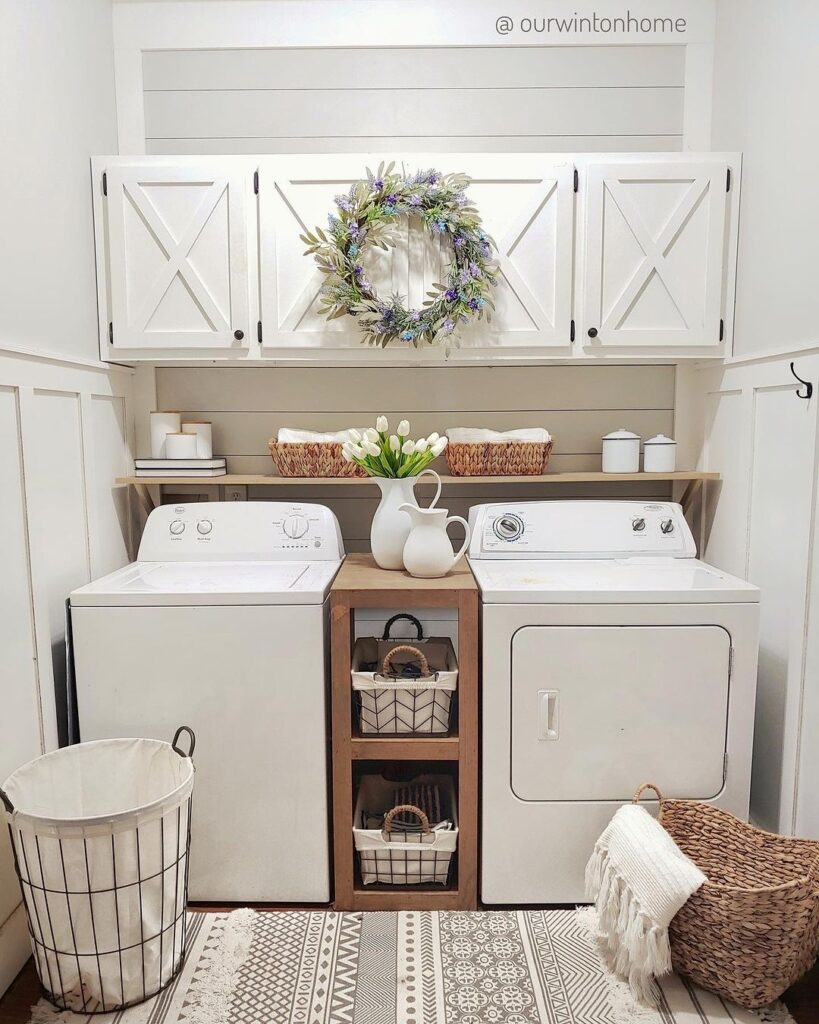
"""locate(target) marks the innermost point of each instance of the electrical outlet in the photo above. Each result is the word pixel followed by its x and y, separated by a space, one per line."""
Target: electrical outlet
pixel 236 492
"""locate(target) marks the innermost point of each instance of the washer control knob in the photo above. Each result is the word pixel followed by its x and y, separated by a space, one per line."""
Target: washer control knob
pixel 508 527
pixel 204 526
pixel 177 527
pixel 667 526
pixel 638 525
pixel 295 527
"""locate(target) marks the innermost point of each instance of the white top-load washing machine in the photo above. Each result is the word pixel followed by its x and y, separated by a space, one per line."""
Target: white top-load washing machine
pixel 612 656
pixel 221 624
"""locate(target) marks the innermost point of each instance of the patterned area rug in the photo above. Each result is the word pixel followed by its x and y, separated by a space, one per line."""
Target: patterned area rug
pixel 491 967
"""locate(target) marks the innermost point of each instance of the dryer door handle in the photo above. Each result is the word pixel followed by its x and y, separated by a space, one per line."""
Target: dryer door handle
pixel 547 715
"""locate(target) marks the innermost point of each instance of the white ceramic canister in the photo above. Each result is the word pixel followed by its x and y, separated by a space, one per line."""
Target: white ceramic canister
pixel 180 446
pixel 621 452
pixel 660 454
pixel 203 431
pixel 162 424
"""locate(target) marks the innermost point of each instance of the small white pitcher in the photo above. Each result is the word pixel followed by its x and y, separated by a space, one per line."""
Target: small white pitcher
pixel 428 550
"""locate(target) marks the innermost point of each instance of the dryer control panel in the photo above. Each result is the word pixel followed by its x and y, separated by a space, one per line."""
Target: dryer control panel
pixel 580 529
pixel 241 531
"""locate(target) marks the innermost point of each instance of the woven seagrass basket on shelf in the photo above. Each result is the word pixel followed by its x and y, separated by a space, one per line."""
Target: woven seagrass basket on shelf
pixel 311 458
pixel 752 929
pixel 503 458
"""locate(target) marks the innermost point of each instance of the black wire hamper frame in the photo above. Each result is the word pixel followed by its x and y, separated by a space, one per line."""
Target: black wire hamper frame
pixel 76 1000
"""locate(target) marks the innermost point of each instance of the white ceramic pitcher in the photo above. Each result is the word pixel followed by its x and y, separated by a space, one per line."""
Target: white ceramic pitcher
pixel 391 524
pixel 428 550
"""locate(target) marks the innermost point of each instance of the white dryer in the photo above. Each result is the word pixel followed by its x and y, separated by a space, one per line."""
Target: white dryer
pixel 221 624
pixel 612 656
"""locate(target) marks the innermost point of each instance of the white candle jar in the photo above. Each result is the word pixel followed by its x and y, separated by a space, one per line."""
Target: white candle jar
pixel 660 454
pixel 162 424
pixel 621 452
pixel 180 446
pixel 203 432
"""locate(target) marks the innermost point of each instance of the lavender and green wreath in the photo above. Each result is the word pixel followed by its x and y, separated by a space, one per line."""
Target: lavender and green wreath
pixel 369 214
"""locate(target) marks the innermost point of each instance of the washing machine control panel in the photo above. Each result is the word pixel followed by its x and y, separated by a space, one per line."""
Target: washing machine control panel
pixel 580 529
pixel 237 531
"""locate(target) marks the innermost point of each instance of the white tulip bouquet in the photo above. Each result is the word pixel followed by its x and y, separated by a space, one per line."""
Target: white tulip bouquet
pixel 380 453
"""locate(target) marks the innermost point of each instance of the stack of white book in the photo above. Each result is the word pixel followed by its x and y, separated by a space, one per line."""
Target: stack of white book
pixel 180 467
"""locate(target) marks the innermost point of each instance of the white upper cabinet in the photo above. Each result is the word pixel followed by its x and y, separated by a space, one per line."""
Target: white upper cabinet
pixel 177 269
pixel 599 256
pixel 654 264
pixel 526 203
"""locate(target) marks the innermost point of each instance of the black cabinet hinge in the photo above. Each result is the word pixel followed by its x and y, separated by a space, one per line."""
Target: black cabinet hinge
pixel 110 333
pixel 728 181
pixel 259 331
pixel 571 331
pixel 256 182
pixel 104 183
pixel 576 180
pixel 721 329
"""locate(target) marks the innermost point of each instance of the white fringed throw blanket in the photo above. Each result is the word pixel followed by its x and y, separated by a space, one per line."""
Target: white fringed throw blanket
pixel 638 878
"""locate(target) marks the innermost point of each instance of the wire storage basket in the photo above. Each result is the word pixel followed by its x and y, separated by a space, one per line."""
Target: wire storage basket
pixel 404 686
pixel 100 834
pixel 752 929
pixel 406 834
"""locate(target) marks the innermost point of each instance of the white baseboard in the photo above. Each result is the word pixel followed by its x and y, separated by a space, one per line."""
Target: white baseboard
pixel 14 947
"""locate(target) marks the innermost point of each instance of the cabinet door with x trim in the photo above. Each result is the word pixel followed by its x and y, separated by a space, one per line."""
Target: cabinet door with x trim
pixel 177 239
pixel 654 260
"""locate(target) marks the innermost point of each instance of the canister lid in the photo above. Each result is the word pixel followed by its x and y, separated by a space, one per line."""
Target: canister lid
pixel 660 439
pixel 621 435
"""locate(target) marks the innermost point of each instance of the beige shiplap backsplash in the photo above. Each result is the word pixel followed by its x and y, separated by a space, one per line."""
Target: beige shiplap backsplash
pixel 577 404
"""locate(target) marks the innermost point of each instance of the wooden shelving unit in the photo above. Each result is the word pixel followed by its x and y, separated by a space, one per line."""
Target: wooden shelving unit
pixel 361 584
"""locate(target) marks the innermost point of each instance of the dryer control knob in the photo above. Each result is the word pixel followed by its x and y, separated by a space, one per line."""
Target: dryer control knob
pixel 638 525
pixel 667 526
pixel 177 527
pixel 204 526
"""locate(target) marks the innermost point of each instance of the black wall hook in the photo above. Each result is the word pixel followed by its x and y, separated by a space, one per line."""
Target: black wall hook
pixel 808 386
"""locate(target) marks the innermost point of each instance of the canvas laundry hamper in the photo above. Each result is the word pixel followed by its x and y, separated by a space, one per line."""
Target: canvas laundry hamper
pixel 100 834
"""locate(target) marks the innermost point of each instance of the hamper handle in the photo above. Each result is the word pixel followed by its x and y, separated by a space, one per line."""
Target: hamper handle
pixel 646 785
pixel 175 741
pixel 387 663
pixel 411 809
pixel 396 618
pixel 6 801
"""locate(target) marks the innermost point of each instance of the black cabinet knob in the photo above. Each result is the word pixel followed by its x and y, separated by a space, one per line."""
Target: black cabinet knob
pixel 238 335
pixel 592 332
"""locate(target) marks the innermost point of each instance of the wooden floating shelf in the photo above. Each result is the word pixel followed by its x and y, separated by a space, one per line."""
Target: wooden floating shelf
pixel 260 480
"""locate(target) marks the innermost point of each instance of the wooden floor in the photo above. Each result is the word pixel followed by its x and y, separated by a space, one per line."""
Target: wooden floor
pixel 802 1000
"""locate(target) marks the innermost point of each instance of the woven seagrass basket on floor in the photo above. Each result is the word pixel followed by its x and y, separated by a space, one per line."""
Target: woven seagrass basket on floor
pixel 311 458
pixel 752 929
pixel 503 458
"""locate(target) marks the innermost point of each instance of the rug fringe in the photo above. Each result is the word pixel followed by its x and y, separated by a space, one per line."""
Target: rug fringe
pixel 209 1001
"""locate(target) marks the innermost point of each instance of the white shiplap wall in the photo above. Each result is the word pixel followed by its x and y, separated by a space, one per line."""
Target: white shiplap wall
pixel 578 404
pixel 414 99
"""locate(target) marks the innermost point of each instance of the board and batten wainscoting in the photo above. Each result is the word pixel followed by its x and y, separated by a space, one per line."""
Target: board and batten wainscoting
pixel 66 427
pixel 577 404
pixel 485 98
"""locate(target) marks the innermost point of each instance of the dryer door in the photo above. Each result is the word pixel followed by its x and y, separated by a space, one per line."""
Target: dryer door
pixel 597 710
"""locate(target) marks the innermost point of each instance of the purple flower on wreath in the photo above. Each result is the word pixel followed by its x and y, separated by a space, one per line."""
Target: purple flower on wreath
pixel 392 198
pixel 358 270
pixel 464 276
pixel 378 183
pixel 354 231
pixel 415 315
pixel 431 178
pixel 450 295
pixel 476 303
pixel 459 241
pixel 474 270
pixel 415 201
pixel 343 203
pixel 448 326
